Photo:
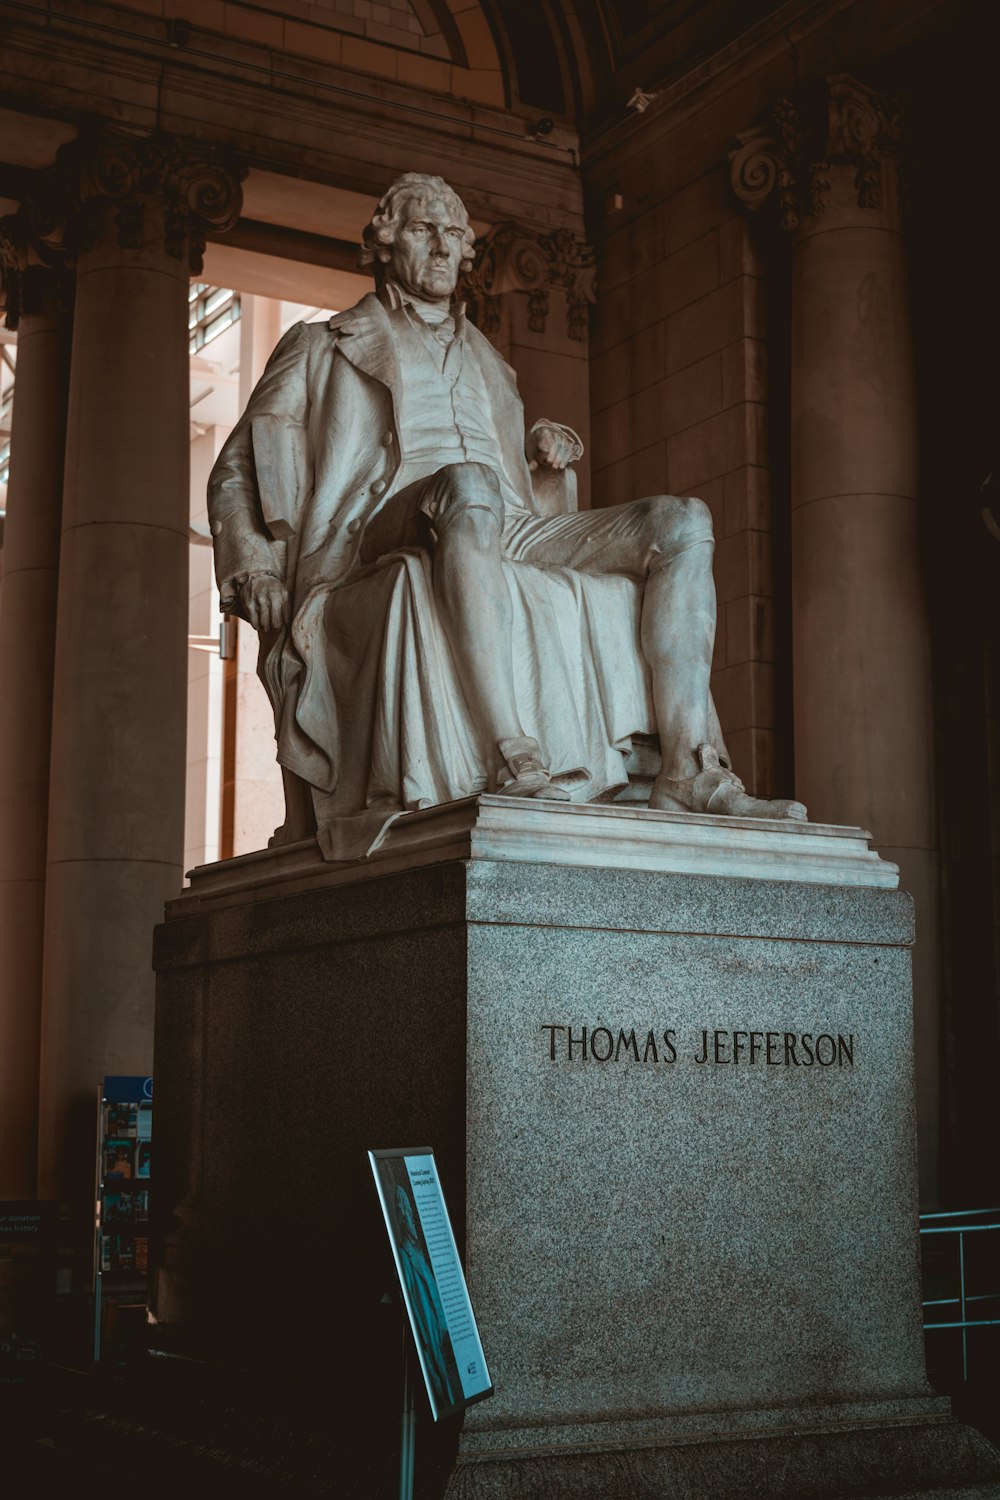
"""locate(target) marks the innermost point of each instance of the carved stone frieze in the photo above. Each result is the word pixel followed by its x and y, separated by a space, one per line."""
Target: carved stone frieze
pixel 195 187
pixel 791 159
pixel 513 258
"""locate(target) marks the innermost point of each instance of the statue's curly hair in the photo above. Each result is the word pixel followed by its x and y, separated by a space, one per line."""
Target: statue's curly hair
pixel 380 233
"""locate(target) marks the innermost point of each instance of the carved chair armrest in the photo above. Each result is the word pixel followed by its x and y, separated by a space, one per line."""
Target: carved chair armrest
pixel 554 491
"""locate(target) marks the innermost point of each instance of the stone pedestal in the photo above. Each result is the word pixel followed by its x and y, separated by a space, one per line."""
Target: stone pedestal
pixel 674 1118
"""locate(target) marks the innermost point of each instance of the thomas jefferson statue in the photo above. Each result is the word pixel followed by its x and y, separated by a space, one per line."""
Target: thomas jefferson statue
pixel 394 434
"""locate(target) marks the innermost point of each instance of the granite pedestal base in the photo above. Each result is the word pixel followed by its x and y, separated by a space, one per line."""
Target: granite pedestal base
pixel 673 1115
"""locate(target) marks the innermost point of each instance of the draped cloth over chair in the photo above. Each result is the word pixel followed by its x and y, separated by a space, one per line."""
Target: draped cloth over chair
pixel 376 670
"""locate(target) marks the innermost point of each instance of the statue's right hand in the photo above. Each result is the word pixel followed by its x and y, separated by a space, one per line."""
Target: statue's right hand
pixel 265 601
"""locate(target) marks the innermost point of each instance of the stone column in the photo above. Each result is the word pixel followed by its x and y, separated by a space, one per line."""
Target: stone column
pixel 864 728
pixel 530 293
pixel 39 294
pixel 116 806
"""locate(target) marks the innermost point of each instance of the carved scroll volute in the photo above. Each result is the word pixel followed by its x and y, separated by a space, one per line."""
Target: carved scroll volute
pixel 513 262
pixel 865 127
pixel 761 168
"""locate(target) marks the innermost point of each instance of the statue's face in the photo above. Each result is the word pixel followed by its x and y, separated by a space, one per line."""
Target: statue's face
pixel 427 252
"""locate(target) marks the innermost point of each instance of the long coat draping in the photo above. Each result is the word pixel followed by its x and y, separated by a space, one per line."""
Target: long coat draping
pixel 367 703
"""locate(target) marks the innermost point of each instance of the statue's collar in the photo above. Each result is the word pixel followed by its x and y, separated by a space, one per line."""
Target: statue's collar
pixel 365 340
pixel 392 296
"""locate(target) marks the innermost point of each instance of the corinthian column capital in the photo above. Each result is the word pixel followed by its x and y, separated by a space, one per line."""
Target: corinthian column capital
pixel 33 260
pixel 513 258
pixel 843 126
pixel 191 187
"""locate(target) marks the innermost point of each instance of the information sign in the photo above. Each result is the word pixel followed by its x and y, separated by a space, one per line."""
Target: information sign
pixel 28 1239
pixel 431 1279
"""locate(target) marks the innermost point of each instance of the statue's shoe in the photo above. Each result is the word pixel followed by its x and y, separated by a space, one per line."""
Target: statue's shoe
pixel 717 790
pixel 523 775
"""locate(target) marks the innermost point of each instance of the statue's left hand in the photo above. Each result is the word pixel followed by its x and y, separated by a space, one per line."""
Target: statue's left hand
pixel 265 600
pixel 552 447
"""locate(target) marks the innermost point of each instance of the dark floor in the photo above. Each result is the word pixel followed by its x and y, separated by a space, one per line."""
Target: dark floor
pixel 82 1432
pixel 164 1425
pixel 160 1427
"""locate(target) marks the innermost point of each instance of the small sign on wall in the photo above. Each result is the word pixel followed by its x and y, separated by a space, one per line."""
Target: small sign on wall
pixel 431 1279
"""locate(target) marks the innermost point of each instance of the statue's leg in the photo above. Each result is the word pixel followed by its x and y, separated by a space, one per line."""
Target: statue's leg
pixel 666 539
pixel 459 511
pixel 677 628
pixel 715 735
pixel 465 508
pixel 466 512
pixel 678 635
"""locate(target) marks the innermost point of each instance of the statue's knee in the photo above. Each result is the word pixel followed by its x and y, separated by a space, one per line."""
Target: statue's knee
pixel 676 522
pixel 468 505
pixel 465 476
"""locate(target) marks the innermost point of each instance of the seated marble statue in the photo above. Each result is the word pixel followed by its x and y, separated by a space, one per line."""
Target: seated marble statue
pixel 425 633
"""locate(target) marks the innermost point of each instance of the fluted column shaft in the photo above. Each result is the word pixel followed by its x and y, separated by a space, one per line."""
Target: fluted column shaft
pixel 116 805
pixel 864 722
pixel 863 692
pixel 38 303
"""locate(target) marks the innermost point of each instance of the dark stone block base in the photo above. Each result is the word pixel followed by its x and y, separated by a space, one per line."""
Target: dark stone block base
pixel 673 1115
pixel 910 1462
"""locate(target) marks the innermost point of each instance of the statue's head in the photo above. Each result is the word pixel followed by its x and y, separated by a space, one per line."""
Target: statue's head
pixel 419 235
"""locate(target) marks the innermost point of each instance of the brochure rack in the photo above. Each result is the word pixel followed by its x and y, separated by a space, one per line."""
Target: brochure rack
pixel 124 1166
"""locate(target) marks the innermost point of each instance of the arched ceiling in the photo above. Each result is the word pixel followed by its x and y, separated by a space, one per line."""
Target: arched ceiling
pixel 584 58
pixel 576 60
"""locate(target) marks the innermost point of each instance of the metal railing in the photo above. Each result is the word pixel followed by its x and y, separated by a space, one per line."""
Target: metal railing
pixel 962 1223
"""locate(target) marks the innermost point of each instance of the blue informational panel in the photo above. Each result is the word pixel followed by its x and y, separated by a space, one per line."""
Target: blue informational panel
pixel 127 1088
pixel 431 1279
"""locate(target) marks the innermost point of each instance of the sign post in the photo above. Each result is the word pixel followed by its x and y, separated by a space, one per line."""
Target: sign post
pixel 408 1432
pixel 434 1293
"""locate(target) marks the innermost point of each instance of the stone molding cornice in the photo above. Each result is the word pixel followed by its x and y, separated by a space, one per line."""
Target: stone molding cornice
pixel 197 189
pixel 515 258
pixel 790 159
pixel 307 118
